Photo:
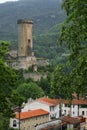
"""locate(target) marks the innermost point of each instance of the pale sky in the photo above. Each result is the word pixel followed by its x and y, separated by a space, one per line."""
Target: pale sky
pixel 3 1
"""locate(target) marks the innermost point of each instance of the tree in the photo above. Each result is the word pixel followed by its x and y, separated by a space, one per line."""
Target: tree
pixel 30 90
pixel 74 35
pixel 74 28
pixel 7 82
pixel 60 81
pixel 44 83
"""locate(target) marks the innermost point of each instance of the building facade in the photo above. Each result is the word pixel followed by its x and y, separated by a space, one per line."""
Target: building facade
pixel 48 104
pixel 75 108
pixel 29 120
pixel 59 107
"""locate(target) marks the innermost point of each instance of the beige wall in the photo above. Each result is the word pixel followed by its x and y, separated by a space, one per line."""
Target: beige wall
pixel 29 124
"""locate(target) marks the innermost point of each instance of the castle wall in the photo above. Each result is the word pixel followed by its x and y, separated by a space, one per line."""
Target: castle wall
pixel 34 76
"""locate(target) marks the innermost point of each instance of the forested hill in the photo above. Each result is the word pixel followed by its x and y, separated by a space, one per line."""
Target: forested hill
pixel 44 13
pixel 46 16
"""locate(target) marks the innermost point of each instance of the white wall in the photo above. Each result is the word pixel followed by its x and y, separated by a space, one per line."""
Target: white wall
pixel 35 105
pixel 56 110
pixel 85 112
pixel 11 123
pixel 74 110
pixel 67 109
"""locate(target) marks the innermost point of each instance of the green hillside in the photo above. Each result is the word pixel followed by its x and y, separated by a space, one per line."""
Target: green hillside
pixel 46 15
pixel 46 46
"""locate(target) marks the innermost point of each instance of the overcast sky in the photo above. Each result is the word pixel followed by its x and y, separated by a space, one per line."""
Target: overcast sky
pixel 3 1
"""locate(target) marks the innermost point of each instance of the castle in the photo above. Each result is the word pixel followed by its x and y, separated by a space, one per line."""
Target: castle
pixel 24 57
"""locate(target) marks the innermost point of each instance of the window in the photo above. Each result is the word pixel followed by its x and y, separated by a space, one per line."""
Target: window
pixel 28 40
pixel 64 111
pixel 83 106
pixel 51 108
pixel 69 105
pixel 83 113
pixel 65 105
pixel 14 123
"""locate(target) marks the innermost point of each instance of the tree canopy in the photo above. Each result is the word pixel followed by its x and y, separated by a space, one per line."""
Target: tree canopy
pixel 74 35
pixel 7 82
pixel 30 90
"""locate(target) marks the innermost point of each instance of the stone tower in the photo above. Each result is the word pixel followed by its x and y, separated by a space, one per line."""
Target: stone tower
pixel 26 58
pixel 25 45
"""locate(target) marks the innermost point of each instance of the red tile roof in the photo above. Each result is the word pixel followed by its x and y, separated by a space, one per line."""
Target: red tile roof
pixel 32 113
pixel 70 120
pixel 49 101
pixel 75 102
pixel 79 102
pixel 54 102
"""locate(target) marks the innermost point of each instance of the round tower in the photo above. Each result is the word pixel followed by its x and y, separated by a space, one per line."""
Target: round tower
pixel 25 43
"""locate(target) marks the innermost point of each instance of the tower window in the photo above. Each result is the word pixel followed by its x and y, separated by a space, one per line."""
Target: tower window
pixel 28 41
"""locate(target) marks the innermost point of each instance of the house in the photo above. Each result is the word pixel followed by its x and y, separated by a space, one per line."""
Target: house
pixel 72 123
pixel 54 106
pixel 54 109
pixel 29 120
pixel 48 104
pixel 75 107
pixel 58 107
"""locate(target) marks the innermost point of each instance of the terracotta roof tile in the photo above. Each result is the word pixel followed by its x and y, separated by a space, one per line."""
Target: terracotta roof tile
pixel 48 101
pixel 70 120
pixel 75 102
pixel 79 102
pixel 32 113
